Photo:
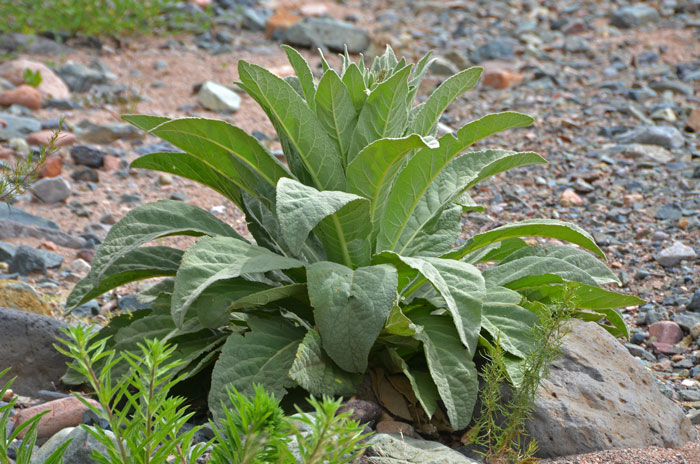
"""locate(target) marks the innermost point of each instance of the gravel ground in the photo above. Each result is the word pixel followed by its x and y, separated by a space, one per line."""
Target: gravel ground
pixel 585 82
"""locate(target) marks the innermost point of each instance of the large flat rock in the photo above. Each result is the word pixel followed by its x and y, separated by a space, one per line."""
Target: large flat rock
pixel 26 345
pixel 597 397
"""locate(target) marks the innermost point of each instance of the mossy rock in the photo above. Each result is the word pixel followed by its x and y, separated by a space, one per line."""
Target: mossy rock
pixel 18 295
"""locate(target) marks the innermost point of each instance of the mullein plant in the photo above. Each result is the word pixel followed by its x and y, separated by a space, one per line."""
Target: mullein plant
pixel 355 265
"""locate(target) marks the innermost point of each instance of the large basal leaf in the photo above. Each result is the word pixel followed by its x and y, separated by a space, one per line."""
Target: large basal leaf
pixel 336 111
pixel 460 285
pixel 213 259
pixel 190 167
pixel 150 222
pixel 424 167
pixel 314 371
pixel 438 101
pixel 451 367
pixel 229 150
pixel 549 228
pixel 535 270
pixel 372 173
pixel 384 114
pixel 343 217
pixel 350 309
pixel 581 296
pixel 460 174
pixel 297 122
pixel 306 78
pixel 507 322
pixel 138 264
pixel 262 356
pixel 579 258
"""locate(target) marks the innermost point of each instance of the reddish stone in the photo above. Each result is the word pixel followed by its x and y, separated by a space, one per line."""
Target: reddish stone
pixel 52 167
pixel 694 120
pixel 86 255
pixel 23 95
pixel 43 138
pixel 280 20
pixel 202 3
pixel 666 332
pixel 499 75
pixel 110 163
pixel 569 198
pixel 66 412
pixel 51 85
pixel 666 348
pixel 49 245
pixel 396 428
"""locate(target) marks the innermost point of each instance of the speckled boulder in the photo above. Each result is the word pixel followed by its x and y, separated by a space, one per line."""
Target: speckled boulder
pixel 26 345
pixel 597 397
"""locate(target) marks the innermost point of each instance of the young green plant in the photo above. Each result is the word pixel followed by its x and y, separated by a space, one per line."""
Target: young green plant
pixel 353 265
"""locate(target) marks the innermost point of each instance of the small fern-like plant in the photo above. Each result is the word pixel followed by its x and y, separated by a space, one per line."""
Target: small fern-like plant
pixel 500 429
pixel 256 431
pixel 355 264
pixel 145 421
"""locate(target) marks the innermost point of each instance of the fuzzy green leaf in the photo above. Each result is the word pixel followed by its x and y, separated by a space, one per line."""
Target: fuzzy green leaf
pixel 227 149
pixel 314 371
pixel 451 367
pixel 355 83
pixel 269 295
pixel 213 259
pixel 507 322
pixel 535 270
pixel 549 228
pixel 418 74
pixel 407 197
pixel 581 296
pixel 372 173
pixel 439 236
pixel 343 217
pixel 295 121
pixel 438 101
pixel 579 258
pixel 213 305
pixel 150 222
pixel 262 356
pixel 460 285
pixel 190 167
pixel 459 174
pixel 336 111
pixel 384 114
pixel 303 71
pixel 350 309
pixel 138 264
